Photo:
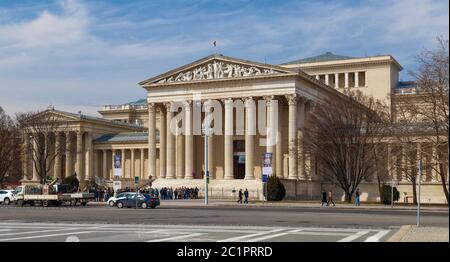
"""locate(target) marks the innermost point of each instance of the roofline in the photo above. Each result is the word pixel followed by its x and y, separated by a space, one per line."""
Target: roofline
pixel 211 57
pixel 340 62
pixel 96 120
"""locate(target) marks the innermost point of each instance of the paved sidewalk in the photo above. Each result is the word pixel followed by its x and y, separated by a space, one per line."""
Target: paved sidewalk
pixel 409 233
pixel 309 204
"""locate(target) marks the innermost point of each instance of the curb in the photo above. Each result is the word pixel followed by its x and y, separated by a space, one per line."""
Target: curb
pixel 398 236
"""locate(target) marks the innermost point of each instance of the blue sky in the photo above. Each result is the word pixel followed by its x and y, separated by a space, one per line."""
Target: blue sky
pixel 80 54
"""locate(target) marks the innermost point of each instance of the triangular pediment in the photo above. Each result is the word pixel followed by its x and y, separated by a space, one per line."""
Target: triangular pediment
pixel 217 67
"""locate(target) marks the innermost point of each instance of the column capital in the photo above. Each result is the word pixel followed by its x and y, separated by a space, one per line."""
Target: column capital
pixel 227 100
pixel 187 104
pixel 168 105
pixel 151 107
pixel 248 101
pixel 269 98
pixel 292 99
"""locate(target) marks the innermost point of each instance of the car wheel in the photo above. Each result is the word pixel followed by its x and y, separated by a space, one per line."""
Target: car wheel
pixel 144 205
pixel 6 201
pixel 45 203
pixel 119 204
pixel 111 203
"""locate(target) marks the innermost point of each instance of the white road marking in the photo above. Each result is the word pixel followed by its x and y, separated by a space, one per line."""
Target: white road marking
pixel 181 232
pixel 39 231
pixel 176 238
pixel 266 237
pixel 322 233
pixel 354 236
pixel 240 238
pixel 53 235
pixel 377 236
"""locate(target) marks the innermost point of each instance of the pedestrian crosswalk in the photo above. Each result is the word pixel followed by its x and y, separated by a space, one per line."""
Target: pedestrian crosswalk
pixel 34 232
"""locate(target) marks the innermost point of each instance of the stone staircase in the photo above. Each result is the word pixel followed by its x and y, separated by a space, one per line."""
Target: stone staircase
pixel 217 188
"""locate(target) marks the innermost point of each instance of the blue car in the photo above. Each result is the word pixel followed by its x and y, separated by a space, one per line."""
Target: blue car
pixel 143 201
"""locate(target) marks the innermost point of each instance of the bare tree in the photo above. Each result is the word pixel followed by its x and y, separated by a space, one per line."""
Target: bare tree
pixel 431 104
pixel 9 148
pixel 341 136
pixel 40 129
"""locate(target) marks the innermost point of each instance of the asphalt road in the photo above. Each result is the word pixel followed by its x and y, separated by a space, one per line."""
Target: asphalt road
pixel 60 232
pixel 232 215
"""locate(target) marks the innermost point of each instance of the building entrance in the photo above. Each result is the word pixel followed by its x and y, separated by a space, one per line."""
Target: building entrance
pixel 239 159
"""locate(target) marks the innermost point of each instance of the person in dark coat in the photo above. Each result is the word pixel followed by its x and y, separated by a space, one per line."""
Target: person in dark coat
pixel 324 197
pixel 240 196
pixel 246 196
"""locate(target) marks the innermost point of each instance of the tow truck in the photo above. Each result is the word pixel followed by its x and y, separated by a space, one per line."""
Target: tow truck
pixel 50 195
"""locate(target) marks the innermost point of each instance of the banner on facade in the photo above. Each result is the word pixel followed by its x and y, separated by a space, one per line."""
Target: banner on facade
pixel 267 164
pixel 117 165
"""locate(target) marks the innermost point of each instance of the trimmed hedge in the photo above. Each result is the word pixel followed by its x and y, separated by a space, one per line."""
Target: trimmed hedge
pixel 386 194
pixel 275 188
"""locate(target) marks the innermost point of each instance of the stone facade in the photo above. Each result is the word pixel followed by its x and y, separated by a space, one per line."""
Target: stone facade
pixel 267 95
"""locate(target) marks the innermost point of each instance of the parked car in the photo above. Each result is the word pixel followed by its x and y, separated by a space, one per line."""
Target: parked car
pixel 112 200
pixel 143 201
pixel 7 196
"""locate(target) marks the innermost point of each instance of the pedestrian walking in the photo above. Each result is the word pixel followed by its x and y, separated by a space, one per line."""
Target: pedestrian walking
pixel 357 197
pixel 246 196
pixel 324 198
pixel 240 196
pixel 330 198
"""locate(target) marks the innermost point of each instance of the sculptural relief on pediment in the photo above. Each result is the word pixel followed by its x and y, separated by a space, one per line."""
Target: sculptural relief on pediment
pixel 218 70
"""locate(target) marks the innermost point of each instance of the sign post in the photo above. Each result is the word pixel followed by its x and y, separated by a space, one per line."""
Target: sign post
pixel 136 184
pixel 418 196
pixel 207 130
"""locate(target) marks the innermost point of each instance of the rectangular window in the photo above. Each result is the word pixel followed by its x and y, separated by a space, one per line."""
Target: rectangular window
pixel 362 78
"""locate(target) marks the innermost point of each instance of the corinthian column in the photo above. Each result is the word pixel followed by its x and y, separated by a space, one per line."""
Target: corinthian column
pixel 26 157
pixel 58 152
pixel 104 166
pixel 78 167
pixel 228 172
pixel 152 140
pixel 170 157
pixel 292 133
pixel 89 166
pixel 69 158
pixel 300 139
pixel 180 151
pixel 34 162
pixel 271 130
pixel 250 132
pixel 189 139
pixel 162 141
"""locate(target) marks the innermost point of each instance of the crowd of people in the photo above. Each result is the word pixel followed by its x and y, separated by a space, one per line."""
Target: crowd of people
pixel 243 194
pixel 101 194
pixel 179 193
pixel 327 198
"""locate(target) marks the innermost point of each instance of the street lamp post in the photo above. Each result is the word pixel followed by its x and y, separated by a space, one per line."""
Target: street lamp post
pixel 418 201
pixel 206 166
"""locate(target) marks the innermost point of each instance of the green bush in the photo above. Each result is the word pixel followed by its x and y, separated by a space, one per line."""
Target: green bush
pixel 386 194
pixel 275 188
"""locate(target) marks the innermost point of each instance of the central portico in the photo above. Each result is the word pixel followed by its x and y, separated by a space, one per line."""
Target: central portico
pixel 233 88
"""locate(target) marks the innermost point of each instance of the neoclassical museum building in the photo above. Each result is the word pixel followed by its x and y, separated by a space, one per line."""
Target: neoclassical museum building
pixel 137 137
